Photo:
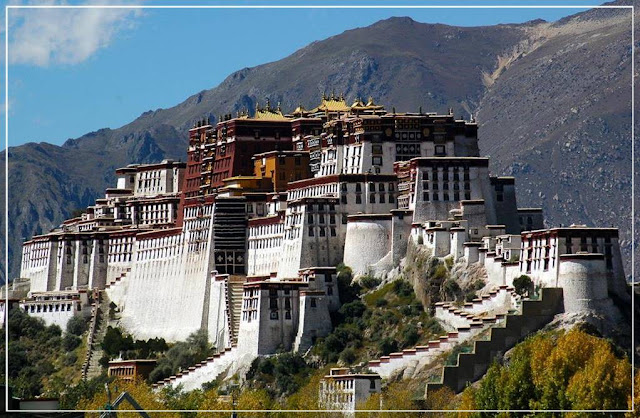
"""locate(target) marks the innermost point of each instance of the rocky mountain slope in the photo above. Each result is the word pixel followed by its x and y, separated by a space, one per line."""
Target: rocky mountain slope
pixel 552 100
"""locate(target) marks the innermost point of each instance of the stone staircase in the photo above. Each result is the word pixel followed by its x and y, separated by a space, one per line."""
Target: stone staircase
pixel 422 355
pixel 471 366
pixel 97 330
pixel 463 323
pixel 119 278
pixel 205 371
pixel 498 301
pixel 234 292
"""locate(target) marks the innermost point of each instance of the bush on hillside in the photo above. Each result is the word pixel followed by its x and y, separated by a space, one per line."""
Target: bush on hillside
pixel 77 325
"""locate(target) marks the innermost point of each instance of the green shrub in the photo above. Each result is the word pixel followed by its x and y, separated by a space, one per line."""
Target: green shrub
pixel 70 359
pixel 402 288
pixel 348 355
pixel 381 302
pixel 387 345
pixel 369 282
pixel 352 310
pixel 77 325
pixel 410 335
pixel 522 284
pixel 70 342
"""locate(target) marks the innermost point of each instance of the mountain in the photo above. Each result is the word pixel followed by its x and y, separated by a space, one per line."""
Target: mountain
pixel 552 101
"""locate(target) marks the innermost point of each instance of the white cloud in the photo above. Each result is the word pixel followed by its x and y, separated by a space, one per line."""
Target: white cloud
pixel 53 36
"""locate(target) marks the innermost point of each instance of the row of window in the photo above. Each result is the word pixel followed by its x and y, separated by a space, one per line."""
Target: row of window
pixel 322 231
pixel 446 196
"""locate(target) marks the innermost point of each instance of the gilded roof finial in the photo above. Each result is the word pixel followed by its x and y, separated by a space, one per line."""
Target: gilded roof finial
pixel 333 94
pixel 257 106
pixel 268 106
pixel 324 96
pixel 393 110
pixel 370 101
pixel 278 108
pixel 342 97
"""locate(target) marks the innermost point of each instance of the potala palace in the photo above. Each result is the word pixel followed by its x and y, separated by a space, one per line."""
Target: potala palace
pixel 244 238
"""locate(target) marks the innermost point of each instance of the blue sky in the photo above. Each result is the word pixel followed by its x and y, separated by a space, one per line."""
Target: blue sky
pixel 74 71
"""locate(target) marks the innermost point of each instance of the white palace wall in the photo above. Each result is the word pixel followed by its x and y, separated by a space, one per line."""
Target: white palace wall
pixel 368 240
pixel 170 273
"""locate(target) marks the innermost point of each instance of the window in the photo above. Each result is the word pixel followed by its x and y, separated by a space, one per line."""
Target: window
pixel 274 315
pixel 332 219
pixel 425 196
pixel 329 290
pixel 372 198
pixel 287 303
pixel 381 187
pixel 321 206
pixel 343 199
pixel 467 196
pixel 333 231
pixel 310 231
pixel 287 315
pixel 343 187
pixel 376 160
pixel 391 198
pixel 358 199
pixel 440 150
pixel 313 302
pixel 321 218
pixel 344 219
pixel 435 197
pixel 322 232
pixel 358 187
pixel 381 198
pixel 273 303
pixel 391 187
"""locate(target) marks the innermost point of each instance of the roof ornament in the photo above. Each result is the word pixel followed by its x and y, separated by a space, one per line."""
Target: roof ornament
pixel 471 116
pixel 324 96
pixel 420 110
pixel 370 101
pixel 333 95
pixel 257 106
pixel 451 111
pixel 342 97
pixel 393 110
pixel 279 109
pixel 268 107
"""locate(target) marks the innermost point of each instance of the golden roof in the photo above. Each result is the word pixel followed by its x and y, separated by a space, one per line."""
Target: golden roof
pixel 332 104
pixel 300 111
pixel 267 113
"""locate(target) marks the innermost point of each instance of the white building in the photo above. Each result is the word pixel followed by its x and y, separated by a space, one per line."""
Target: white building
pixel 344 391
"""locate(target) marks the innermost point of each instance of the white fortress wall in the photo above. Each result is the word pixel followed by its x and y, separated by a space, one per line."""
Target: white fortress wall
pixel 37 260
pixel 368 240
pixel 249 321
pixel 314 321
pixel 400 233
pixel 218 320
pixel 493 266
pixel 583 278
pixel 171 272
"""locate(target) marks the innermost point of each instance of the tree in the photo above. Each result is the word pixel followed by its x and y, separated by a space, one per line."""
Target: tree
pixel 77 325
pixel 523 284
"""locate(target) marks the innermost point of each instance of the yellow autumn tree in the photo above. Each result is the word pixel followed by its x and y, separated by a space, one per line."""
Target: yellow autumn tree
pixel 556 370
pixel 138 389
pixel 634 402
pixel 213 402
